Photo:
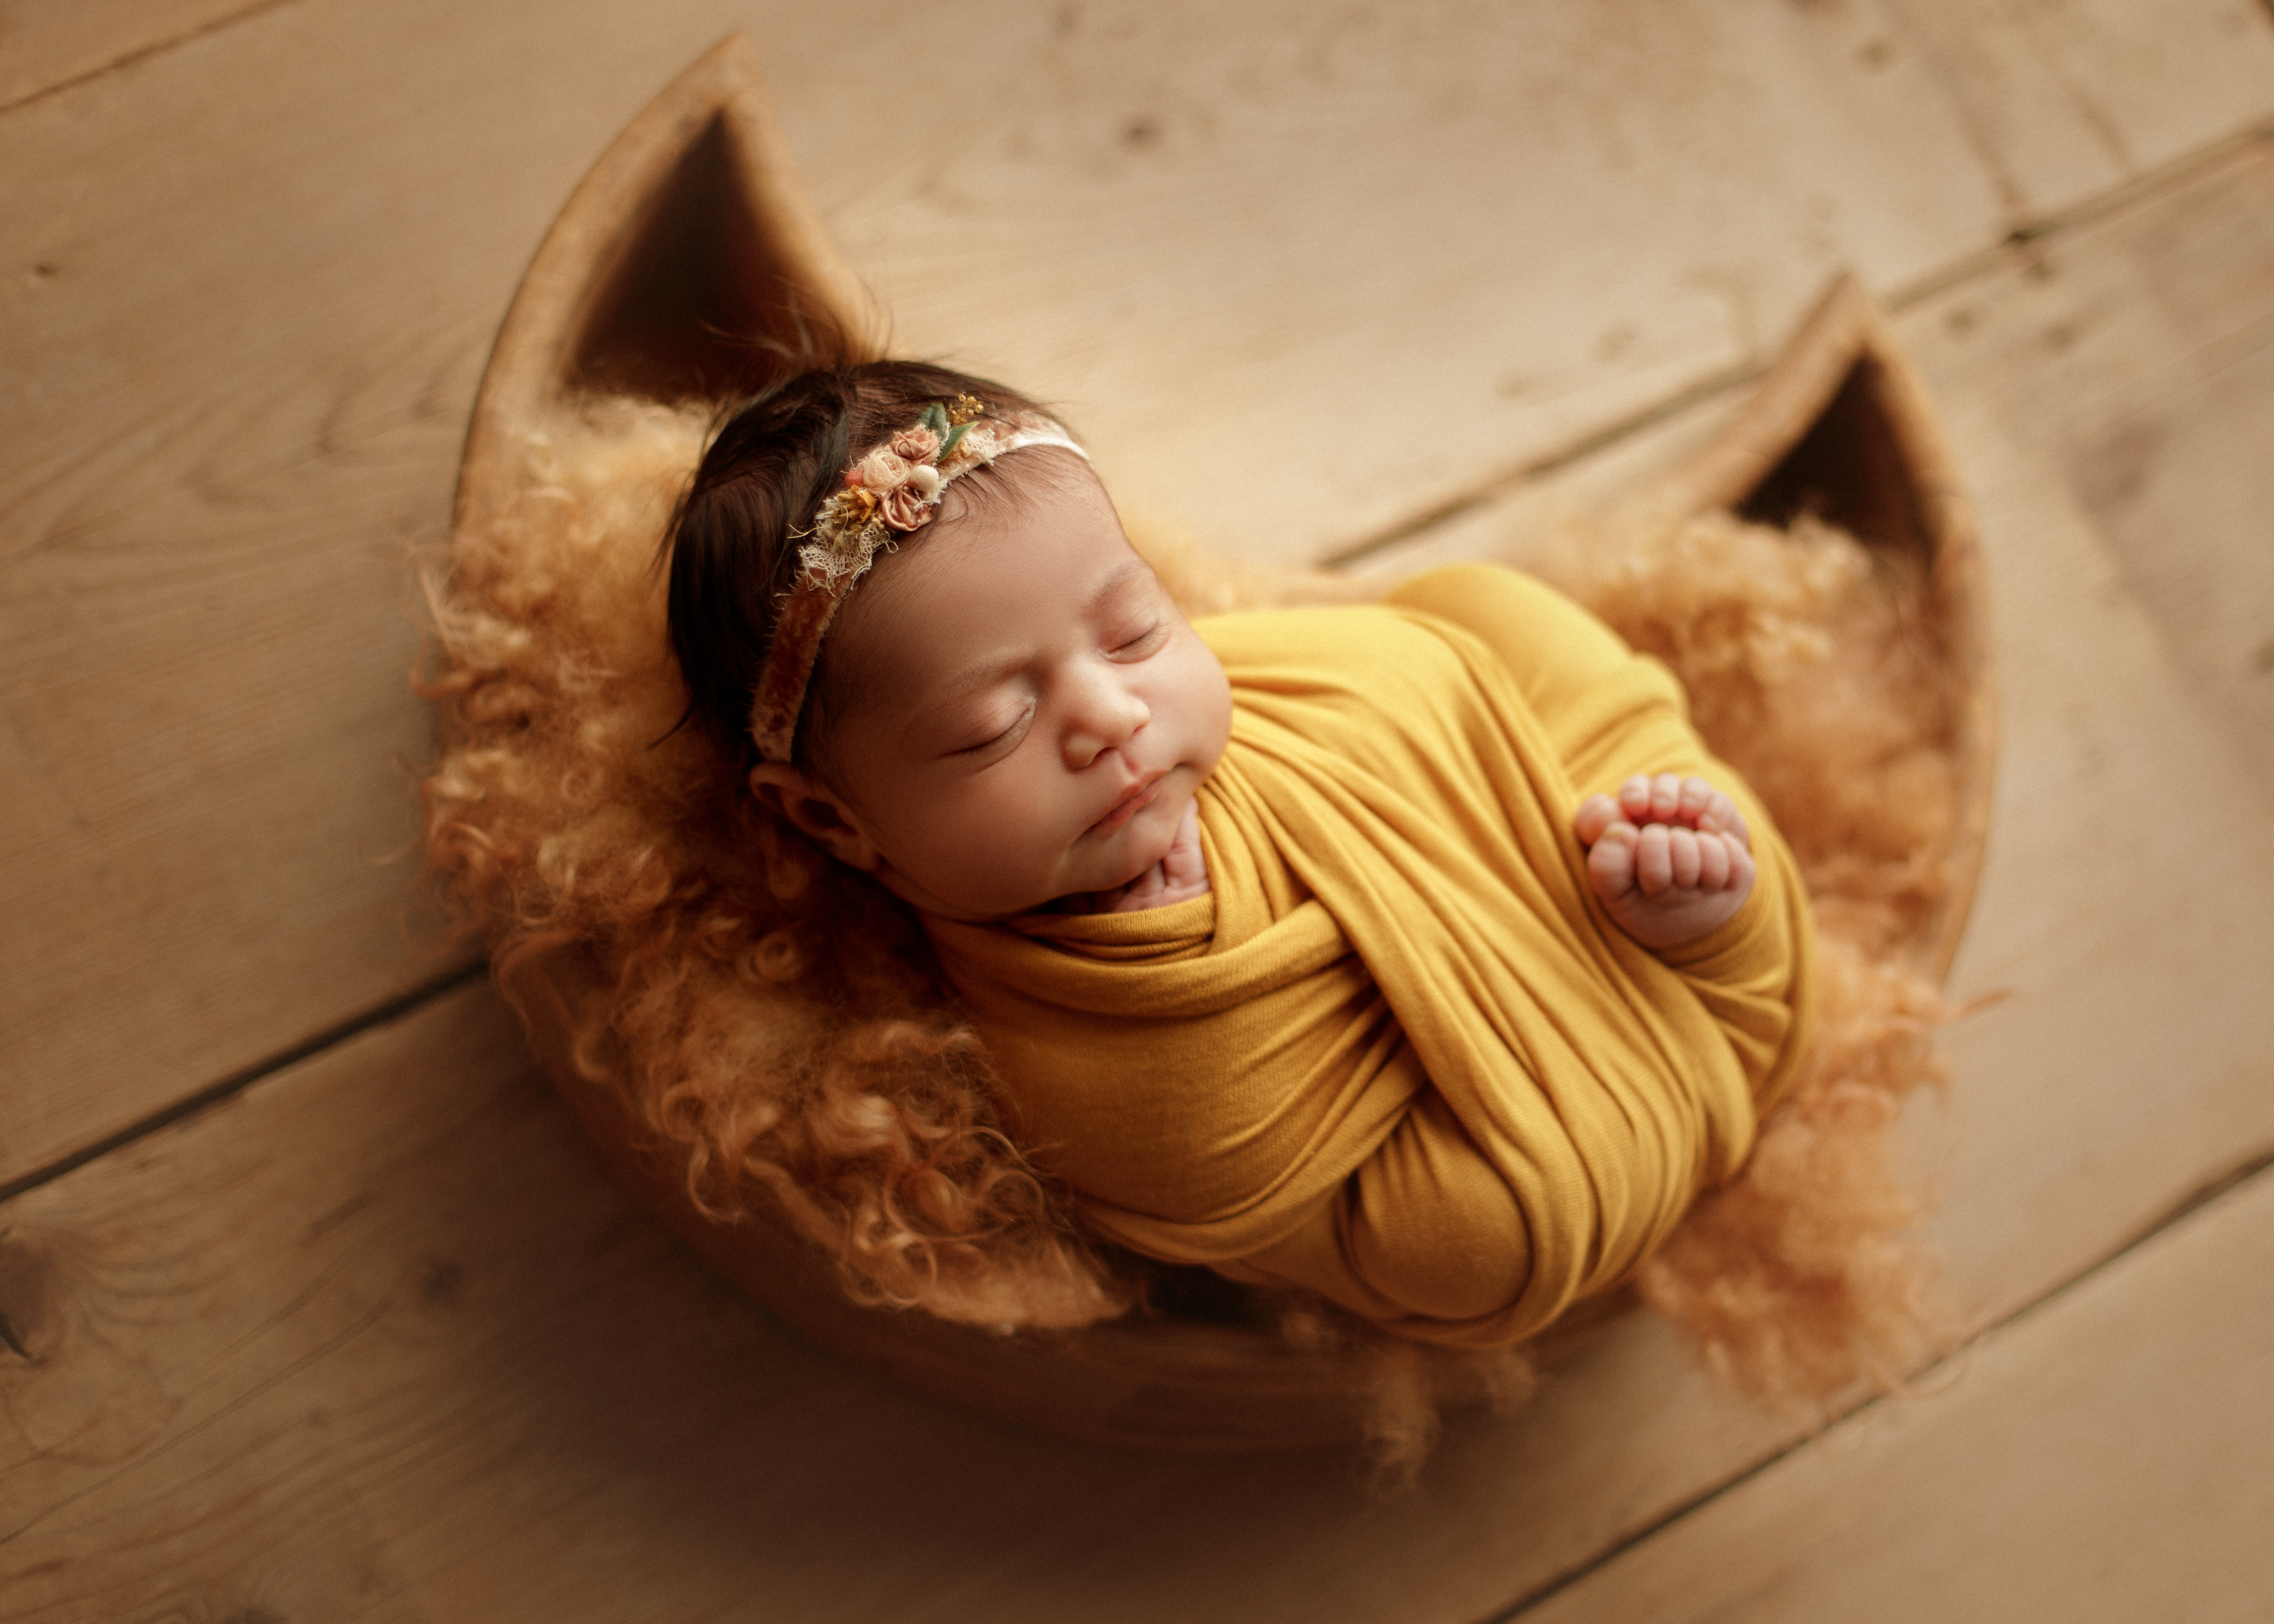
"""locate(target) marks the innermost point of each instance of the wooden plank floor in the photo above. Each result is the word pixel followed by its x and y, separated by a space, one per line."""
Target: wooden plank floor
pixel 254 276
pixel 2130 1417
pixel 45 47
pixel 367 1335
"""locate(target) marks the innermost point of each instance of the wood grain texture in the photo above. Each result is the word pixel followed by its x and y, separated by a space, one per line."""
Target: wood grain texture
pixel 1487 238
pixel 2103 1459
pixel 44 45
pixel 377 1340
pixel 2064 98
pixel 1474 276
pixel 2136 1028
pixel 245 287
pixel 2139 355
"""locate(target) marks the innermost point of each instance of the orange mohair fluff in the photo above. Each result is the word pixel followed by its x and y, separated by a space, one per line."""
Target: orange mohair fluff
pixel 771 1016
pixel 774 1023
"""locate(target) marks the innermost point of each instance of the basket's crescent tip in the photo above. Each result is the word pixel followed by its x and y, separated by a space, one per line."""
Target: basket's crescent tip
pixel 686 262
pixel 1841 426
pixel 1784 404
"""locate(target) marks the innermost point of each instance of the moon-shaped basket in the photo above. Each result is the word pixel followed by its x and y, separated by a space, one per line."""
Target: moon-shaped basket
pixel 689 238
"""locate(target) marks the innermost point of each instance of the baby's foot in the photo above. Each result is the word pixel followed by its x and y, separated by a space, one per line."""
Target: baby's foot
pixel 1670 859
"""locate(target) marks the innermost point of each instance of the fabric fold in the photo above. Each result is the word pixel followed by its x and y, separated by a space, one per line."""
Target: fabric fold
pixel 1399 1056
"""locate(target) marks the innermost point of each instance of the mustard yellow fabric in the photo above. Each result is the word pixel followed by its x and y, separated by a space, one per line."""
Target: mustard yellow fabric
pixel 1399 1056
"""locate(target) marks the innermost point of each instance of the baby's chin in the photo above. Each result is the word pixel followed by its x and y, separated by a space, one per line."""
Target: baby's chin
pixel 1138 844
pixel 997 908
pixel 1149 835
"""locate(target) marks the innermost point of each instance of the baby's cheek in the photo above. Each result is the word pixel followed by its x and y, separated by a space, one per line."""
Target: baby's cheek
pixel 1006 830
pixel 1207 696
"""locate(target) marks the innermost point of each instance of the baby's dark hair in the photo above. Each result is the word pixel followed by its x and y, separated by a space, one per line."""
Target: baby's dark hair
pixel 731 548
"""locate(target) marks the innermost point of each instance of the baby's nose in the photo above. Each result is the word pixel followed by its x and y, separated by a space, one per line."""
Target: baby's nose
pixel 1105 717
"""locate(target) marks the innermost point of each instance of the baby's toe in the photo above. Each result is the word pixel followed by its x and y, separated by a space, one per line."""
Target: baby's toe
pixel 1683 857
pixel 1696 796
pixel 1611 862
pixel 1634 800
pixel 1713 866
pixel 1653 859
pixel 1665 797
pixel 1722 817
pixel 1596 814
pixel 1736 865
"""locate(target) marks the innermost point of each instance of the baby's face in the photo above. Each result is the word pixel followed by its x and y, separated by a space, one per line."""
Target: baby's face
pixel 1028 712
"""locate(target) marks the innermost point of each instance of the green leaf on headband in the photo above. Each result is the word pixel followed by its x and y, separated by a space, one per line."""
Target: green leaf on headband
pixel 934 417
pixel 954 439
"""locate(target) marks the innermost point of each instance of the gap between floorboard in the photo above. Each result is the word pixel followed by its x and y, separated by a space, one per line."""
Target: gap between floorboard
pixel 2208 1193
pixel 2023 242
pixel 141 53
pixel 307 1048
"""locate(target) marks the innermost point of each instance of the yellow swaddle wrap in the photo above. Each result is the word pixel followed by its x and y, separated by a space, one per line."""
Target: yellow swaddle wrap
pixel 1399 1056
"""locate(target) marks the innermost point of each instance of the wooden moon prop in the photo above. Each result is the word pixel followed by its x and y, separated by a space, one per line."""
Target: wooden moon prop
pixel 688 245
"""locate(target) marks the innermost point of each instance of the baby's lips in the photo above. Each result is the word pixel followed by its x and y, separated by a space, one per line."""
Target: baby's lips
pixel 1134 801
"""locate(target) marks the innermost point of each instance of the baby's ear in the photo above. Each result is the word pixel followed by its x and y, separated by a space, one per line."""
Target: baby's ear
pixel 816 812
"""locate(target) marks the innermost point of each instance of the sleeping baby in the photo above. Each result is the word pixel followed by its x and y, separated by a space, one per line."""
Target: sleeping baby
pixel 1414 953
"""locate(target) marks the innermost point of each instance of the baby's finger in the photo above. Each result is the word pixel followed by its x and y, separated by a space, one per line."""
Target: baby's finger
pixel 1682 852
pixel 1653 859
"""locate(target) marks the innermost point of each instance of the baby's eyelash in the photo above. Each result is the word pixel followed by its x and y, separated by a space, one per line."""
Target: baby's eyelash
pixel 1149 635
pixel 1016 723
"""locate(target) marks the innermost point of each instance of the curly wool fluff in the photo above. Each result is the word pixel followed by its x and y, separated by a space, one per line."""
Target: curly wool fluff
pixel 769 1016
pixel 774 1020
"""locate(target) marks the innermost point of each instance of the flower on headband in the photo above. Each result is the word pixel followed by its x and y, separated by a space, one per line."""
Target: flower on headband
pixel 879 471
pixel 896 487
pixel 916 445
pixel 900 479
pixel 909 506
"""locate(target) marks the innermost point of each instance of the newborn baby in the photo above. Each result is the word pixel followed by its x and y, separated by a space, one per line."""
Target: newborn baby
pixel 1415 954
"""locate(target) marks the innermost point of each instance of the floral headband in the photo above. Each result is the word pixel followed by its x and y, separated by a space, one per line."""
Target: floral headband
pixel 890 493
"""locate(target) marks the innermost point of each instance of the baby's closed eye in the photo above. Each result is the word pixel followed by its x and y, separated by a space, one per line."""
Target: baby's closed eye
pixel 1135 642
pixel 996 730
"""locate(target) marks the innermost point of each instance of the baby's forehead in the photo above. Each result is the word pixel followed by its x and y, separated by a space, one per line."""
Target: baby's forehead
pixel 991 585
pixel 1021 479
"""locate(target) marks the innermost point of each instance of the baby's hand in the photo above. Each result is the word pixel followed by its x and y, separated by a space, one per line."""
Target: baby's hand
pixel 1180 875
pixel 1671 858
